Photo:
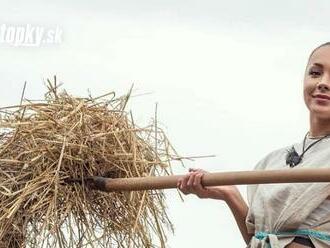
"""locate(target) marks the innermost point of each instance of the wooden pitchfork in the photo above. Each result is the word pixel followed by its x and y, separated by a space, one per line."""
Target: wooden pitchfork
pixel 294 175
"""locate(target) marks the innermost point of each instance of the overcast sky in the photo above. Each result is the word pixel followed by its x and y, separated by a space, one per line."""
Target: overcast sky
pixel 227 76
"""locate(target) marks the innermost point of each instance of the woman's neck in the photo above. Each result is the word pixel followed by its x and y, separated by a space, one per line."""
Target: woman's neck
pixel 319 127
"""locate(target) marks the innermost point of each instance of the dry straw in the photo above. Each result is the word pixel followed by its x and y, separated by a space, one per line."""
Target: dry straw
pixel 45 142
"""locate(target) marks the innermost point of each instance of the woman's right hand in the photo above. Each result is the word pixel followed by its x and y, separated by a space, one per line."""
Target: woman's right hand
pixel 192 184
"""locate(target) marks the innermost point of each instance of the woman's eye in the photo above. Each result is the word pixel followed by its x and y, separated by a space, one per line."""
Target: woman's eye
pixel 314 73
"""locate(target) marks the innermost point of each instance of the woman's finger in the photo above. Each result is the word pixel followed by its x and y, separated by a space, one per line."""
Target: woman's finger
pixel 183 185
pixel 184 181
pixel 190 182
pixel 198 182
pixel 182 189
pixel 178 183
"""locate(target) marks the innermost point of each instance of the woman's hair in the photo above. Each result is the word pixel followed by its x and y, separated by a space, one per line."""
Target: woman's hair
pixel 324 44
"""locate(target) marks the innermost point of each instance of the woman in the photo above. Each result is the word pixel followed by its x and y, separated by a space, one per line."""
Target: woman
pixel 286 215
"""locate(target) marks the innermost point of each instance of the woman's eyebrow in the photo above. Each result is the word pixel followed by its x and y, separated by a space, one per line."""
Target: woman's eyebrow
pixel 317 64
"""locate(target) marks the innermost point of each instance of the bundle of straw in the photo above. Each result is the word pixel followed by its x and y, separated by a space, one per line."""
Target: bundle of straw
pixel 45 142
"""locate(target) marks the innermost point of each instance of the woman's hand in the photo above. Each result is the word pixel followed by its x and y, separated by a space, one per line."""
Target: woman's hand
pixel 192 184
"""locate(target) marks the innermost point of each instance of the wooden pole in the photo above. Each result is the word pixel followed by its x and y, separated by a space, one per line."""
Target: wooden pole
pixel 216 179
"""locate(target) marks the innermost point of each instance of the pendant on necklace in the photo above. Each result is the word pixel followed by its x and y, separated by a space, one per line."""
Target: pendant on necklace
pixel 292 157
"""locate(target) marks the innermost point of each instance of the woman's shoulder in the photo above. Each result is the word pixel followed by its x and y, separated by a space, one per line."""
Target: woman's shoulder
pixel 274 159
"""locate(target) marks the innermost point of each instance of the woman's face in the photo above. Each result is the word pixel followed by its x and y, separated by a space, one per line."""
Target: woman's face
pixel 317 83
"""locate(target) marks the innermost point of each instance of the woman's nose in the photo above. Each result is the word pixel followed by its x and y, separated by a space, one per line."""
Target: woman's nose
pixel 324 84
pixel 322 87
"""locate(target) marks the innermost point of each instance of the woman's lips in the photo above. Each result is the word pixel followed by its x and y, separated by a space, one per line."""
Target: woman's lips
pixel 322 97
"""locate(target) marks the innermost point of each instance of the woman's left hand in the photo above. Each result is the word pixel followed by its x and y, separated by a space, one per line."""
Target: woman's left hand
pixel 192 184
